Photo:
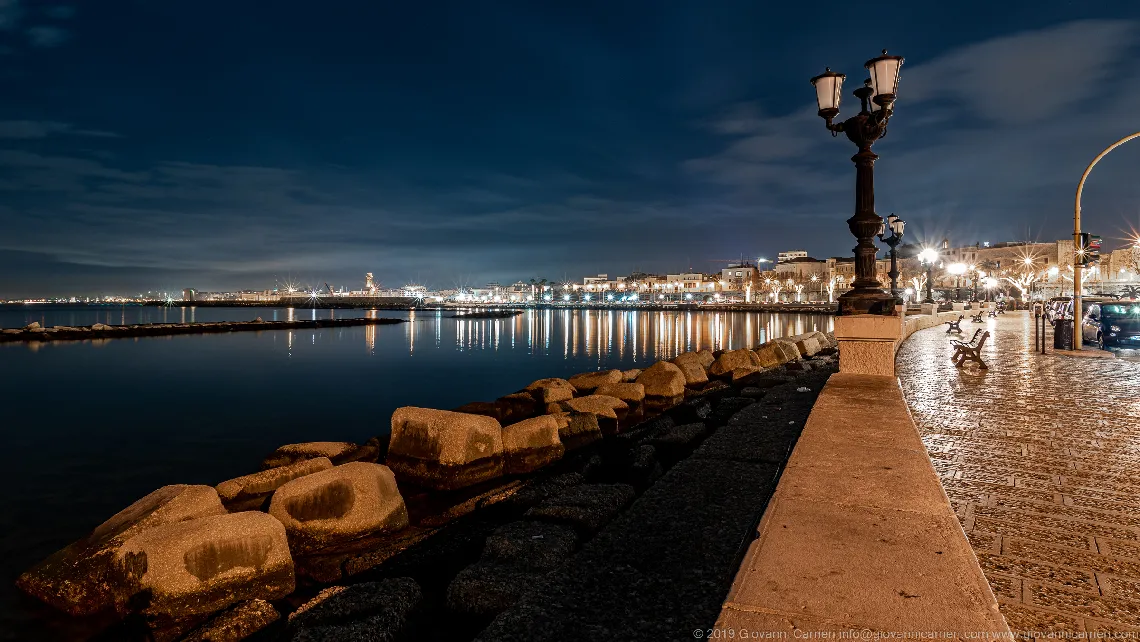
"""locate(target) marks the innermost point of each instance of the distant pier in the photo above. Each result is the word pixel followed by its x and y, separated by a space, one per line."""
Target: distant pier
pixel 34 332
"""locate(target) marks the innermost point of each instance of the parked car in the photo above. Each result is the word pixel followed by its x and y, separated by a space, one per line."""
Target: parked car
pixel 1119 323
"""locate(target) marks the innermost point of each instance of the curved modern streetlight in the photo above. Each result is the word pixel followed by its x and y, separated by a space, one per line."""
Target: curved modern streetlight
pixel 877 99
pixel 1077 318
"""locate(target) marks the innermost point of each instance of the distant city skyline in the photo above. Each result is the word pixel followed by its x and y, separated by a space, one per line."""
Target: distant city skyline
pixel 159 146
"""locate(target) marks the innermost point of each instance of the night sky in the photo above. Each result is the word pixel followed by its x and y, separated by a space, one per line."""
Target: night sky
pixel 157 145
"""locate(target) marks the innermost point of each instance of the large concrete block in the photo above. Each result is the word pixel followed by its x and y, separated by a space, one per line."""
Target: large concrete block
pixel 808 346
pixel 339 506
pixel 769 355
pixel 445 450
pixel 587 382
pixel 577 429
pixel 663 379
pixel 706 358
pixel 732 360
pixel 631 393
pixel 788 349
pixel 81 578
pixel 204 565
pixel 531 444
pixel 691 367
pixel 600 405
pixel 338 452
pixel 249 492
pixel 551 390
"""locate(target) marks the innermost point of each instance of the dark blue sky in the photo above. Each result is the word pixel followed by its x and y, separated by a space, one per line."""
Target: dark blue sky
pixel 161 145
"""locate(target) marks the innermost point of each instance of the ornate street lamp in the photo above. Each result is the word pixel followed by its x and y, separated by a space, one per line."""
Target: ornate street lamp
pixel 876 98
pixel 896 225
pixel 928 257
pixel 957 269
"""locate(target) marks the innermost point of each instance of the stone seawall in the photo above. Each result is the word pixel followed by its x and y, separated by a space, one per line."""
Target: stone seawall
pixel 465 514
pixel 35 333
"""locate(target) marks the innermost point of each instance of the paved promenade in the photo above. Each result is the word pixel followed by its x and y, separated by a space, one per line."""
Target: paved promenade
pixel 1040 457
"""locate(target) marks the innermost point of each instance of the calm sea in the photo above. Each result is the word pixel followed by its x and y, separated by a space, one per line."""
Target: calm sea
pixel 90 427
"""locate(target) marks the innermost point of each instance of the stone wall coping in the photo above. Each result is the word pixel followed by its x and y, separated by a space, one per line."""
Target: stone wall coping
pixel 859 533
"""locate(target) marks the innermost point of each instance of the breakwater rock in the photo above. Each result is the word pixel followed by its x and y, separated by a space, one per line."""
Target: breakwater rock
pixel 35 332
pixel 548 513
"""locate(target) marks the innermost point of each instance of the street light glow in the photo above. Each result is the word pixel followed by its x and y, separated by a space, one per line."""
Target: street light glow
pixel 928 255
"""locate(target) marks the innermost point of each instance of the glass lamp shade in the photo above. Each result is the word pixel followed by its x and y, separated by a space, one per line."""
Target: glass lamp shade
pixel 897 226
pixel 884 72
pixel 828 89
pixel 882 229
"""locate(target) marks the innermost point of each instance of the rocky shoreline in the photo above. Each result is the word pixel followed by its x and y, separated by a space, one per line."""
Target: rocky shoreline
pixel 33 332
pixel 472 516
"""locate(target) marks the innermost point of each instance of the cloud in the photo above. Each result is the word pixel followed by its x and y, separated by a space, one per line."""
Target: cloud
pixel 45 36
pixel 25 129
pixel 986 138
pixel 60 12
pixel 10 14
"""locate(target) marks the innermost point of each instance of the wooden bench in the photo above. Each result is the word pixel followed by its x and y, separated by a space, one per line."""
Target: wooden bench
pixel 971 342
pixel 993 313
pixel 955 326
pixel 977 318
pixel 970 352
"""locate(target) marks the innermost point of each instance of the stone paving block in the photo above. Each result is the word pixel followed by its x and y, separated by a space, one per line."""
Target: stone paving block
pixel 1022 618
pixel 1118 548
pixel 984 542
pixel 1018 528
pixel 1005 587
pixel 1084 604
pixel 1070 557
pixel 1073 578
pixel 1121 588
pixel 1057 523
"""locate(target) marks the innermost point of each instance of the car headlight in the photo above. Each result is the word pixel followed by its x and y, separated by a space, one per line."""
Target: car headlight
pixel 1114 328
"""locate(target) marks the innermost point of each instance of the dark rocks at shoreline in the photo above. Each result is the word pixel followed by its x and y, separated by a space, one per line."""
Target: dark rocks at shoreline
pixel 367 612
pixel 237 623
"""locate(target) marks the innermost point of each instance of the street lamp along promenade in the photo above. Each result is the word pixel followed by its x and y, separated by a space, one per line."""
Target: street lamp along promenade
pixel 876 98
pixel 928 257
pixel 895 225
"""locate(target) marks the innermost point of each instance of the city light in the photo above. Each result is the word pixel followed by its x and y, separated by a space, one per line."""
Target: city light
pixel 928 255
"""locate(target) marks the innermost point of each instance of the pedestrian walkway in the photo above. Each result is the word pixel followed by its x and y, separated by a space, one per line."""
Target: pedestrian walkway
pixel 1040 457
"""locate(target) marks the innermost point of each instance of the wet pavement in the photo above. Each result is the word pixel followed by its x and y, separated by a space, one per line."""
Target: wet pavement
pixel 1040 456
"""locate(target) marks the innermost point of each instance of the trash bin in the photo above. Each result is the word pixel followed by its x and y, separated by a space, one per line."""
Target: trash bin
pixel 1063 334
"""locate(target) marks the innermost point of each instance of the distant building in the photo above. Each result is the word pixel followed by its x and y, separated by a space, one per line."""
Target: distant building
pixel 189 294
pixel 784 257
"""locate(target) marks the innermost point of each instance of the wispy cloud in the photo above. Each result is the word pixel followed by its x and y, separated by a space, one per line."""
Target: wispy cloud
pixel 25 129
pixel 46 36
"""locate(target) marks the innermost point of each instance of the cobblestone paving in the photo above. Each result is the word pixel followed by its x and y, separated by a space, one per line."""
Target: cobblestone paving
pixel 1040 456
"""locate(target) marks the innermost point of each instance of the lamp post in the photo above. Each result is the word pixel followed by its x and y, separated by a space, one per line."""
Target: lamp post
pixel 957 269
pixel 895 225
pixel 876 98
pixel 928 257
